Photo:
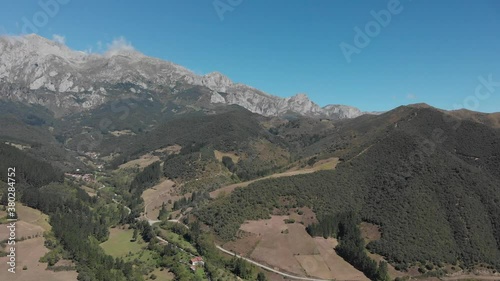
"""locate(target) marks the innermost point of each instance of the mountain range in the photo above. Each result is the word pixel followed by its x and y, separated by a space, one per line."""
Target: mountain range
pixel 426 179
pixel 36 70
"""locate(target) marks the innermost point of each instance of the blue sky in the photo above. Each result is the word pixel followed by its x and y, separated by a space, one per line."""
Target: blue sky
pixel 430 51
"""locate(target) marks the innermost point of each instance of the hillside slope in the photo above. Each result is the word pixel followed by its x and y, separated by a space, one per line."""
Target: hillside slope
pixel 430 180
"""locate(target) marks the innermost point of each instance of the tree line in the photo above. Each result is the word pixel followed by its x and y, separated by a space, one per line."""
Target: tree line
pixel 344 227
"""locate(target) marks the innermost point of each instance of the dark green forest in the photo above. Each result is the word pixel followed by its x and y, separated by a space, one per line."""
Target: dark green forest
pixel 344 227
pixel 428 179
pixel 417 181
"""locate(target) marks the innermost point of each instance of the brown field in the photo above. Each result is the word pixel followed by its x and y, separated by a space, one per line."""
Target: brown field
pixel 289 248
pixel 327 164
pixel 140 163
pixel 33 216
pixel 370 232
pixel 339 268
pixel 244 245
pixel 90 191
pixel 392 271
pixel 314 265
pixel 28 253
pixel 31 223
pixel 495 119
pixel 306 218
pixel 232 155
pixel 155 196
pixel 24 230
pixel 473 277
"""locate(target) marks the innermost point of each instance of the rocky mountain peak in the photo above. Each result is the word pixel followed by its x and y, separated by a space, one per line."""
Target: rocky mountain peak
pixel 216 81
pixel 37 70
pixel 300 97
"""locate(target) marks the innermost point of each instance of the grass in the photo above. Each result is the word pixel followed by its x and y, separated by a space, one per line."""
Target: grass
pixel 200 273
pixel 162 275
pixel 33 216
pixel 119 243
pixel 329 164
pixel 177 240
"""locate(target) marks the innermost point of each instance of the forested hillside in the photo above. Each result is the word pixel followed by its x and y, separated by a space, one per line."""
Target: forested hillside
pixel 36 129
pixel 429 180
pixel 79 222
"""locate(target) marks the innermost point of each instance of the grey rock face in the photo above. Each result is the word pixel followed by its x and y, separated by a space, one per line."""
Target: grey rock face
pixel 36 70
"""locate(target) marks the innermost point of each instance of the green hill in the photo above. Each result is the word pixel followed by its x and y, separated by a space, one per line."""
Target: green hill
pixel 430 180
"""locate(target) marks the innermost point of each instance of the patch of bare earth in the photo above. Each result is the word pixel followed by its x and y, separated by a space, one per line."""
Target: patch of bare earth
pixel 31 223
pixel 90 191
pixel 339 268
pixel 473 277
pixel 28 253
pixel 245 244
pixel 370 232
pixel 392 271
pixel 24 230
pixel 288 248
pixel 303 215
pixel 155 196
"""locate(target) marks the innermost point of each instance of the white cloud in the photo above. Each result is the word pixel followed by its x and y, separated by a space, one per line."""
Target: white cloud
pixel 119 44
pixel 411 96
pixel 88 50
pixel 59 38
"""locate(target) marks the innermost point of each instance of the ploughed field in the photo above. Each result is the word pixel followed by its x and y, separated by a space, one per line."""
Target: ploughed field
pixel 289 248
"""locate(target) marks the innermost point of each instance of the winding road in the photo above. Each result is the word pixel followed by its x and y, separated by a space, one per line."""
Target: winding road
pixel 128 209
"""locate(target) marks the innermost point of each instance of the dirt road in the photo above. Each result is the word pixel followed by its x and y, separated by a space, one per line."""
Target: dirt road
pixel 327 164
